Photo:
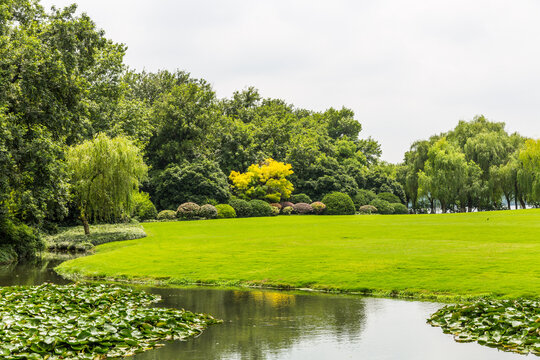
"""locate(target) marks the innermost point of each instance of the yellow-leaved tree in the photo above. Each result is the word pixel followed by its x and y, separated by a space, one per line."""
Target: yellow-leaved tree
pixel 265 181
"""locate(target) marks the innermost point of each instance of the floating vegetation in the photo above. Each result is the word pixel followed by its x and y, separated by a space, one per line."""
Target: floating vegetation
pixel 81 321
pixel 510 325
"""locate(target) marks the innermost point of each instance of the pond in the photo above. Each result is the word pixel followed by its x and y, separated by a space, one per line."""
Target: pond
pixel 265 324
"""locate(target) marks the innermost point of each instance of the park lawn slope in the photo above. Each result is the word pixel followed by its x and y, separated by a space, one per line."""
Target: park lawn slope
pixel 454 255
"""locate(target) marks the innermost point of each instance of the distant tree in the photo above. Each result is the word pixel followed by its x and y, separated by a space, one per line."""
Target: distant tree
pixel 529 174
pixel 104 174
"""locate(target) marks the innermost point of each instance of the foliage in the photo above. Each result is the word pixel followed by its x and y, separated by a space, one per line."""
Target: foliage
pixel 260 208
pixel 302 208
pixel 225 211
pixel 510 325
pixel 367 209
pixel 422 256
pixel 74 239
pixel 241 207
pixel 391 198
pixel 7 254
pixel 286 203
pixel 399 208
pixel 338 204
pixel 143 208
pixel 363 197
pixel 382 206
pixel 300 198
pixel 188 211
pixel 529 176
pixel 318 207
pixel 267 181
pixel 199 181
pixel 104 174
pixel 166 215
pixel 275 211
pixel 276 205
pixel 88 321
pixel 287 210
pixel 23 239
pixel 208 211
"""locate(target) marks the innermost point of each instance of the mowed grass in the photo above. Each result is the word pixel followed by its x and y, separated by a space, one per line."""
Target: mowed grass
pixel 455 255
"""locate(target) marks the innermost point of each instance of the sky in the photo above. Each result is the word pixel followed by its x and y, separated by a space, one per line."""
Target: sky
pixel 408 69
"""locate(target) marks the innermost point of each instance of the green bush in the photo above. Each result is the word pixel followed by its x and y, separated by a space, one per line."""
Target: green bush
pixel 318 207
pixel 22 238
pixel 275 211
pixel 391 198
pixel 287 210
pixel 241 207
pixel 300 198
pixel 367 209
pixel 338 204
pixel 143 208
pixel 302 208
pixel 260 208
pixel 399 208
pixel 166 215
pixel 208 211
pixel 363 197
pixel 225 211
pixel 188 211
pixel 383 206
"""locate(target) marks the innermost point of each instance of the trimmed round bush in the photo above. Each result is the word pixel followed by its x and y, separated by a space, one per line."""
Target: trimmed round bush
pixel 276 205
pixel 188 210
pixel 225 211
pixel 275 211
pixel 260 208
pixel 166 215
pixel 367 209
pixel 300 198
pixel 391 198
pixel 241 207
pixel 383 206
pixel 286 203
pixel 399 208
pixel 143 208
pixel 318 207
pixel 302 208
pixel 363 197
pixel 208 211
pixel 287 210
pixel 338 204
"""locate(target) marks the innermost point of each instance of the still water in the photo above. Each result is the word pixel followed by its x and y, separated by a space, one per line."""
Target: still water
pixel 264 324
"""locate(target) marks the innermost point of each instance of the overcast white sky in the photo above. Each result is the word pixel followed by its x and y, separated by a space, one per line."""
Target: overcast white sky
pixel 409 69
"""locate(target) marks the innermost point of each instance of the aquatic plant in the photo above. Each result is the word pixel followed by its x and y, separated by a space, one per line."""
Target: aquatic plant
pixel 81 321
pixel 510 325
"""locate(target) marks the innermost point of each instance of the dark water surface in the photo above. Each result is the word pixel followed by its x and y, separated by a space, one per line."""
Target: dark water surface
pixel 264 324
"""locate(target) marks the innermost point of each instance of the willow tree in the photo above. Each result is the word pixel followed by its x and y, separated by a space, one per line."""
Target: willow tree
pixel 104 173
pixel 529 174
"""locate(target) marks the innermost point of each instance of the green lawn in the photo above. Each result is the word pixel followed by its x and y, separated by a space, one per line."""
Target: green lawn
pixel 490 253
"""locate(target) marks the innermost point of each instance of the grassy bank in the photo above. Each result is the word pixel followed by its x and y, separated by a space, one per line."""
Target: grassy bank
pixel 454 255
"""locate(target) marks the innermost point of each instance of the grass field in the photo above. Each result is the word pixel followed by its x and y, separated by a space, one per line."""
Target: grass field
pixel 454 255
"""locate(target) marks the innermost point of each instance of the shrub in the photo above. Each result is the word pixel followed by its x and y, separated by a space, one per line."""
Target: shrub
pixel 300 198
pixel 383 206
pixel 399 208
pixel 260 208
pixel 363 197
pixel 338 204
pixel 166 215
pixel 225 211
pixel 287 210
pixel 318 207
pixel 276 205
pixel 286 203
pixel 391 198
pixel 275 211
pixel 188 210
pixel 241 207
pixel 143 208
pixel 302 208
pixel 208 211
pixel 367 209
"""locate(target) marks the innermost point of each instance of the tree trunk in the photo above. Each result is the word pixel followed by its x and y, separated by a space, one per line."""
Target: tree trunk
pixel 432 202
pixel 508 201
pixel 522 202
pixel 85 224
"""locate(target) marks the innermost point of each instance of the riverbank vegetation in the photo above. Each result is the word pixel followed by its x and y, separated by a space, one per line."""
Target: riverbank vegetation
pixel 88 322
pixel 449 256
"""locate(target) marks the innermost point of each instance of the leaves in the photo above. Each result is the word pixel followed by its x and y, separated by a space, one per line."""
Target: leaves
pixel 81 321
pixel 510 325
